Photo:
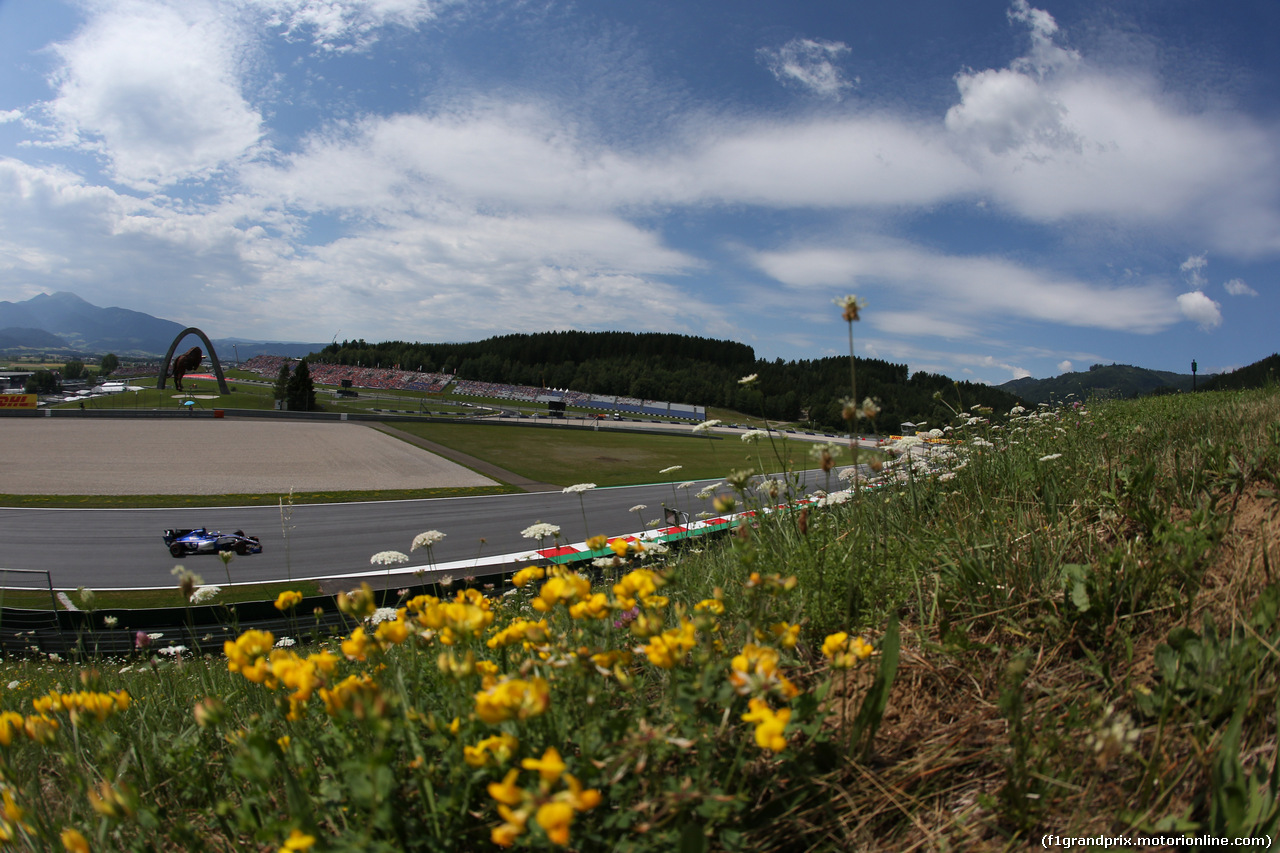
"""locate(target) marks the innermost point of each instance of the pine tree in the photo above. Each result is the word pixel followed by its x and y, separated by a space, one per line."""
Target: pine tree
pixel 282 383
pixel 301 391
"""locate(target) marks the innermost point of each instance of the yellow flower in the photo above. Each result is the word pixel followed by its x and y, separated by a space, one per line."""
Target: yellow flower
pixel 358 645
pixel 770 724
pixel 74 842
pixel 352 689
pixel 526 575
pixel 288 600
pixel 669 648
pixel 642 584
pixel 498 749
pixel 513 699
pixel 595 607
pixel 11 723
pixel 843 652
pixel 580 800
pixel 507 791
pixel 298 840
pixel 549 767
pixel 519 631
pixel 357 604
pixel 246 654
pixel 392 632
pixel 786 635
pixel 595 543
pixel 562 588
pixel 42 729
pixel 554 818
pixel 710 605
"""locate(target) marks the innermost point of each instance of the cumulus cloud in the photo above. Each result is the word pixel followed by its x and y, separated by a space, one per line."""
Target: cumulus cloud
pixel 810 64
pixel 1238 287
pixel 155 90
pixel 1065 366
pixel 1200 309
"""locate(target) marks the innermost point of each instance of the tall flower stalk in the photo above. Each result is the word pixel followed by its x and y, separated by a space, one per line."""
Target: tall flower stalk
pixel 578 489
pixel 850 307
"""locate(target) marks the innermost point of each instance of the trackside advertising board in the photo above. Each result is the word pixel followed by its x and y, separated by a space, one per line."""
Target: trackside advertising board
pixel 17 401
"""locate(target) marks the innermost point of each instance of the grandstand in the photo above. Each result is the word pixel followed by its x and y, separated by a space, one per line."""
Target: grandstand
pixel 436 383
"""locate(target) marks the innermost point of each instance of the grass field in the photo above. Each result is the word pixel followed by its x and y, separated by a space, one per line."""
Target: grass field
pixel 1066 625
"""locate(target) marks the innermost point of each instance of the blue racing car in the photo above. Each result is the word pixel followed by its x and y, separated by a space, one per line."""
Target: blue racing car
pixel 202 540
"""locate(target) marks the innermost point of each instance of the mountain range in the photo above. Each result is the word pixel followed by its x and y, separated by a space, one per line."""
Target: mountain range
pixel 63 325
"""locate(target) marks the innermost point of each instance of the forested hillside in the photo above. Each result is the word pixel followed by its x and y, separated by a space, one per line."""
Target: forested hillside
pixel 685 369
pixel 1257 375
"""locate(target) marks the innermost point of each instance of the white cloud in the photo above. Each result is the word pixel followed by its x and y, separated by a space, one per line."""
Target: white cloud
pixel 973 288
pixel 10 115
pixel 1065 366
pixel 1193 269
pixel 1201 309
pixel 349 24
pixel 155 90
pixel 1238 287
pixel 809 63
pixel 919 324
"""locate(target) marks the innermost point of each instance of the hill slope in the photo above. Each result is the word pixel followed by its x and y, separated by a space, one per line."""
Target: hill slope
pixel 1100 380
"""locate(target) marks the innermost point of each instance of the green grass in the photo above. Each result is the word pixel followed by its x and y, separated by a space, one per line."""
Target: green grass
pixel 610 457
pixel 145 599
pixel 1075 622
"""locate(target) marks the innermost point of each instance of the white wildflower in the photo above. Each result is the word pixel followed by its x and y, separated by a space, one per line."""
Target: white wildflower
pixel 389 558
pixel 706 425
pixel 285 642
pixel 204 593
pixel 638 508
pixel 672 468
pixel 426 539
pixel 1051 457
pixel 771 487
pixel 382 614
pixel 751 436
pixel 109 621
pixel 172 651
pixel 750 379
pixel 66 602
pixel 578 488
pixel 541 530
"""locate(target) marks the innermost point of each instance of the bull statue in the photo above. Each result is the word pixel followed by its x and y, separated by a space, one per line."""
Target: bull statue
pixel 185 363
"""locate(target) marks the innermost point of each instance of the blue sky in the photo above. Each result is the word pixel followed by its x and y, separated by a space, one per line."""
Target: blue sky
pixel 1013 188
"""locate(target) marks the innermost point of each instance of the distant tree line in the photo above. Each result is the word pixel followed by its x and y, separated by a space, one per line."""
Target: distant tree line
pixel 50 381
pixel 685 369
pixel 1257 375
pixel 295 389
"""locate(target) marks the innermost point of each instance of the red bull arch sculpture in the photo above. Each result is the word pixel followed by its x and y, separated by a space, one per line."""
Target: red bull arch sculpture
pixel 190 360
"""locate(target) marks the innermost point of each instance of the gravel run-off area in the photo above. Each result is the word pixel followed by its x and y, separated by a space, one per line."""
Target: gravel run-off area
pixel 205 456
